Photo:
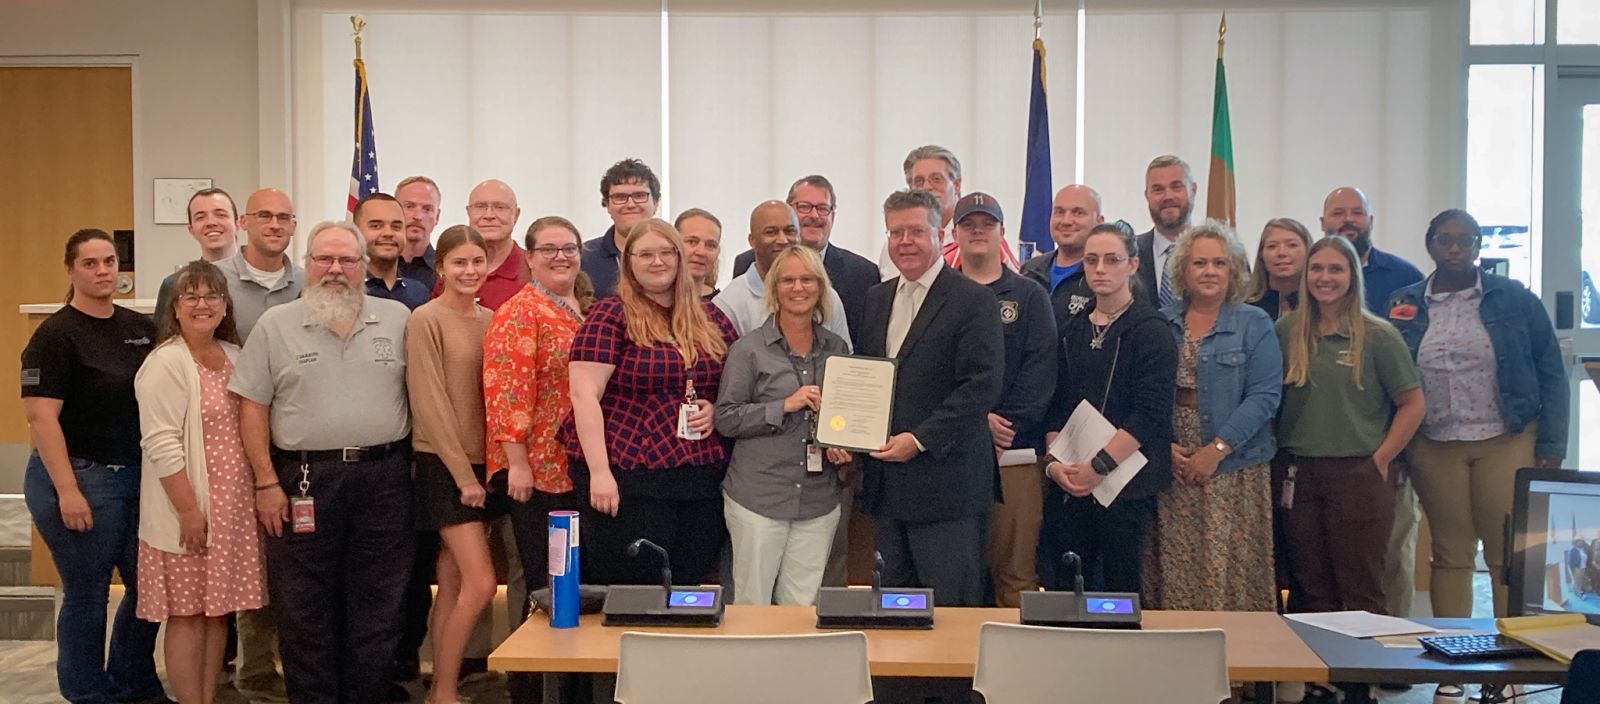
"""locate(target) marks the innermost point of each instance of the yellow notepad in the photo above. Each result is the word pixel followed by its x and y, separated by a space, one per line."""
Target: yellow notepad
pixel 1559 636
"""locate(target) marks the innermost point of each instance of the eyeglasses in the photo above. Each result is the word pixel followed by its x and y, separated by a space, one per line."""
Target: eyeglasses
pixel 659 255
pixel 549 251
pixel 269 216
pixel 911 232
pixel 793 281
pixel 1451 240
pixel 327 261
pixel 191 300
pixel 498 208
pixel 1093 260
pixel 638 198
pixel 805 208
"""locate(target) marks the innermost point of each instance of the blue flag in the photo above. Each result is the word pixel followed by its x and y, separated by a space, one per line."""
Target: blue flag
pixel 364 162
pixel 1036 197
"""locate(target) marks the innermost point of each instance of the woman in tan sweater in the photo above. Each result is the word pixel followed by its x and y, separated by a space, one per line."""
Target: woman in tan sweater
pixel 444 359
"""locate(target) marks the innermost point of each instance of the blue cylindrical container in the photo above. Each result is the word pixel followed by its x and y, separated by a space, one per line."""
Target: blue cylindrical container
pixel 563 569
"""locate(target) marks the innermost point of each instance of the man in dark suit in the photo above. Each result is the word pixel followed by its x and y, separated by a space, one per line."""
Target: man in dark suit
pixel 930 487
pixel 852 274
pixel 1169 190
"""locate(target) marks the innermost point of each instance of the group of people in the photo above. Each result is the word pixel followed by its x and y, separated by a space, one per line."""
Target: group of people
pixel 332 435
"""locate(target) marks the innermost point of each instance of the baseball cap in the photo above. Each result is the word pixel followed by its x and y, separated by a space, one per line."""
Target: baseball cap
pixel 978 203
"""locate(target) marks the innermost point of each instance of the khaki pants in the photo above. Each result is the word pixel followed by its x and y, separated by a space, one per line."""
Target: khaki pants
pixel 1466 488
pixel 1400 555
pixel 1013 540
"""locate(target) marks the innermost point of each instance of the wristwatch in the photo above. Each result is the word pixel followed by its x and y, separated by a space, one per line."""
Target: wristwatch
pixel 1102 463
pixel 1222 447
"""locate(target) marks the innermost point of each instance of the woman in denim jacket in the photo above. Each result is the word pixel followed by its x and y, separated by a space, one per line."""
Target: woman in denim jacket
pixel 1212 547
pixel 1496 391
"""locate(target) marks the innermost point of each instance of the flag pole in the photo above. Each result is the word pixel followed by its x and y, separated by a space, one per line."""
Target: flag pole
pixel 358 24
pixel 1038 20
pixel 1222 31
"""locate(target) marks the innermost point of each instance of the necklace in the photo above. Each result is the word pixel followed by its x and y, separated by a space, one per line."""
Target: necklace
pixel 1098 340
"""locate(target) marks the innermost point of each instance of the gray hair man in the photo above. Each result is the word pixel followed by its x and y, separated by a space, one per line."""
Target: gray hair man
pixel 325 423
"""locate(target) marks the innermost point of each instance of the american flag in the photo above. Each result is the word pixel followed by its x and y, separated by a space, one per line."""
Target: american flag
pixel 364 163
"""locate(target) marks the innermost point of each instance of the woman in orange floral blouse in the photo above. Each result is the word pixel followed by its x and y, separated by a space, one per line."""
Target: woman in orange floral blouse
pixel 525 386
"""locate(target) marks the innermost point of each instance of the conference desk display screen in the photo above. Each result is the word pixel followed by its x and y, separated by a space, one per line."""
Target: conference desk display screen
pixel 1260 646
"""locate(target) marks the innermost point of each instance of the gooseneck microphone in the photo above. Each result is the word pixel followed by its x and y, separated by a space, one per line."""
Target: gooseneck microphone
pixel 877 572
pixel 666 563
pixel 1070 560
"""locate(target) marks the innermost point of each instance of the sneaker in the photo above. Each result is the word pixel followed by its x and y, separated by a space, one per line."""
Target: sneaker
pixel 1319 694
pixel 1449 694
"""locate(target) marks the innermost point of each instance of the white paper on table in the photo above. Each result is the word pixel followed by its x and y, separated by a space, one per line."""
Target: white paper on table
pixel 1361 624
pixel 1085 435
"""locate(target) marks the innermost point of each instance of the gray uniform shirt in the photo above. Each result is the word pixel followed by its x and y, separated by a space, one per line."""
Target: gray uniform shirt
pixel 250 298
pixel 767 473
pixel 327 393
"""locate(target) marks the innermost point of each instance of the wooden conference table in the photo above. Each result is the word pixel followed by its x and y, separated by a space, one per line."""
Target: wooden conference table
pixel 1261 646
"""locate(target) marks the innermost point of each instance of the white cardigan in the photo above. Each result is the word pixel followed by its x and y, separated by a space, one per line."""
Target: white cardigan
pixel 172 437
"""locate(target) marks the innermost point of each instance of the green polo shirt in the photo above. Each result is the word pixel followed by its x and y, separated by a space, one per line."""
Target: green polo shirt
pixel 1329 416
pixel 325 392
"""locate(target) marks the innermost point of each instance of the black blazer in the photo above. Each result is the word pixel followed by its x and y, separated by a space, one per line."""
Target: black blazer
pixel 951 366
pixel 852 276
pixel 1147 263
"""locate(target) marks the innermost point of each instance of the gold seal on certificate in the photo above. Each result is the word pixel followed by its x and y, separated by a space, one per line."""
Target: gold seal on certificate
pixel 857 397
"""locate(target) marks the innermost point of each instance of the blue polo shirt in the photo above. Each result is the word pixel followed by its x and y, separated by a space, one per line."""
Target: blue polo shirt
pixel 1383 274
pixel 407 291
pixel 600 263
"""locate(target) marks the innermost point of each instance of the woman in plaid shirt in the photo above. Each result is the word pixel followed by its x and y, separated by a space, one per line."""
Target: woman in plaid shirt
pixel 637 359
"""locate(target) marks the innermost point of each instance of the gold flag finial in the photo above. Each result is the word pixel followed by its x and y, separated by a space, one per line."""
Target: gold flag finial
pixel 1222 31
pixel 357 24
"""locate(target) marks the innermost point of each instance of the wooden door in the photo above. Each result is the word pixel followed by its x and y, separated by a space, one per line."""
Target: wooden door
pixel 66 134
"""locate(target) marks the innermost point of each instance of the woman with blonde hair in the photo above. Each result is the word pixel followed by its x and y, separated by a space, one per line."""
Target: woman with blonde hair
pixel 645 459
pixel 781 496
pixel 1213 529
pixel 1280 262
pixel 1352 400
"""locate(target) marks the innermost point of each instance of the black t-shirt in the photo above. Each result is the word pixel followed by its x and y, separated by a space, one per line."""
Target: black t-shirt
pixel 89 363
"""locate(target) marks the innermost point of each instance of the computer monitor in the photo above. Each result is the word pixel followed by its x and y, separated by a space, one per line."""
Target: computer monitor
pixel 1555 543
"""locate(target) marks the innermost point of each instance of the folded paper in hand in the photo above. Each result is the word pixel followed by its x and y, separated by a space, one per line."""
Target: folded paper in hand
pixel 1086 434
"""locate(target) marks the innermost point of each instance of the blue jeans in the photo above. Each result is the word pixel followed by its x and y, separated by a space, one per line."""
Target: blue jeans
pixel 85 674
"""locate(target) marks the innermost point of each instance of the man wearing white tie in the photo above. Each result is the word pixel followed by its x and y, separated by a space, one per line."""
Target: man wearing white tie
pixel 1169 190
pixel 929 488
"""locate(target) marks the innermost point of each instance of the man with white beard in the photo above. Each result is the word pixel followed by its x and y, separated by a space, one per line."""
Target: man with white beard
pixel 324 422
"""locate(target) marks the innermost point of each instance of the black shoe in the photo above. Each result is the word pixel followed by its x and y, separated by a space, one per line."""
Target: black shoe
pixel 473 666
pixel 1318 694
pixel 396 693
pixel 1391 687
pixel 406 670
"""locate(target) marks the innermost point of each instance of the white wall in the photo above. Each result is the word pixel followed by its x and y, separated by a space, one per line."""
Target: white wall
pixel 194 95
pixel 1318 98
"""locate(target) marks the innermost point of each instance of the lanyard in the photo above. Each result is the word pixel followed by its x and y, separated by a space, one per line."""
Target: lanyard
pixel 805 370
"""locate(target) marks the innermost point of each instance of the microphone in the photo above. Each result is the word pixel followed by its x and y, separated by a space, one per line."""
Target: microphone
pixel 877 572
pixel 1070 559
pixel 666 564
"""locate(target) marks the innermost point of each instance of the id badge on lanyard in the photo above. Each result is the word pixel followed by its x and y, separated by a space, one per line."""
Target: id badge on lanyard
pixel 804 375
pixel 303 508
pixel 685 410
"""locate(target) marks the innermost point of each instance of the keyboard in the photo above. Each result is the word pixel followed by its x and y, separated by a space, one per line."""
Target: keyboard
pixel 1476 646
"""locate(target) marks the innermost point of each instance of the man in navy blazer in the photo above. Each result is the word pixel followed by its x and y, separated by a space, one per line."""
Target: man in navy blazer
pixel 929 488
pixel 1169 191
pixel 813 200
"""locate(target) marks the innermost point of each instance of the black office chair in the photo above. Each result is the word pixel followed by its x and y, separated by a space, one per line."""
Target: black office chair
pixel 1583 679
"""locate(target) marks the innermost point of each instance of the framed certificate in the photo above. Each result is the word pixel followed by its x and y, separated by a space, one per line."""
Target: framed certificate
pixel 857 400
